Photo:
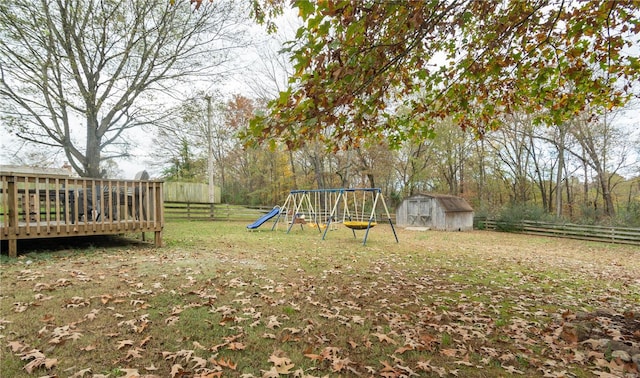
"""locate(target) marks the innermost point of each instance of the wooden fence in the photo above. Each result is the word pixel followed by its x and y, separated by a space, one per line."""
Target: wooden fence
pixel 202 211
pixel 621 235
pixel 189 192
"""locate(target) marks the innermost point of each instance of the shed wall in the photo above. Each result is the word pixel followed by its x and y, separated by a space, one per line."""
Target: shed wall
pixel 459 221
pixel 426 211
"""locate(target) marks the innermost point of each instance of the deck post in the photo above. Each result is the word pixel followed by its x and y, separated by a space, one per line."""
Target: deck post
pixel 13 247
pixel 158 239
pixel 13 217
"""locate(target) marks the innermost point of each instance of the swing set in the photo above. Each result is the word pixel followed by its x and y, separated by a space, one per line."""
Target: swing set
pixel 323 209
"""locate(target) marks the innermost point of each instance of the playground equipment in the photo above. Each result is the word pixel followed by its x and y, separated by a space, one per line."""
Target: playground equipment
pixel 275 211
pixel 310 207
pixel 324 208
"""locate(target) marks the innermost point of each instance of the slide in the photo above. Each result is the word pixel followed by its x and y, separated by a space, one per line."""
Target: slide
pixel 264 218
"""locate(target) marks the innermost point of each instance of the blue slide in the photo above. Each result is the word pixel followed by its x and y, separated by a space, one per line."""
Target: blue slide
pixel 264 218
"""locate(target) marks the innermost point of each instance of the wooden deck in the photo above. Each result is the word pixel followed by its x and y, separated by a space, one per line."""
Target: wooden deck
pixel 47 206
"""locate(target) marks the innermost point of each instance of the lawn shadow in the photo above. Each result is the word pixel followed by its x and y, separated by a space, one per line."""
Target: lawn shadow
pixel 76 244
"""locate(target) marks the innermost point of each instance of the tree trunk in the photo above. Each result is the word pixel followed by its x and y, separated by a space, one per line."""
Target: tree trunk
pixel 372 182
pixel 91 166
pixel 559 178
pixel 293 169
pixel 569 195
pixel 585 187
pixel 606 195
pixel 318 171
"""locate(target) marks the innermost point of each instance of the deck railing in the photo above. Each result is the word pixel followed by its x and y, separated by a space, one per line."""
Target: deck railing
pixel 47 206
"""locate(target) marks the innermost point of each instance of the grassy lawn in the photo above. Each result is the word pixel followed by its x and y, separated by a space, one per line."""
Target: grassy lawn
pixel 220 301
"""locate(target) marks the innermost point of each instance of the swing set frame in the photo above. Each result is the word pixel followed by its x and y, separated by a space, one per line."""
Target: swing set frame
pixel 324 207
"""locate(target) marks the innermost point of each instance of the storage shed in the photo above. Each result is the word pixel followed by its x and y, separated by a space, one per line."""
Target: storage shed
pixel 436 211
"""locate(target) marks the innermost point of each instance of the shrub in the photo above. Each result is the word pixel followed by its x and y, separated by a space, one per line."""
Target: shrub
pixel 510 218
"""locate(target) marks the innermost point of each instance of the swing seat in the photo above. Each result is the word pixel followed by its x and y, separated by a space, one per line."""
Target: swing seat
pixel 358 225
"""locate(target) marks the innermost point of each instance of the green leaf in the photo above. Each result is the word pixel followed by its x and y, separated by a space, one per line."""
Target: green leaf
pixel 305 7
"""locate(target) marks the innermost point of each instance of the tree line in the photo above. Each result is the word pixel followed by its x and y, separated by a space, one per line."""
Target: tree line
pixel 586 169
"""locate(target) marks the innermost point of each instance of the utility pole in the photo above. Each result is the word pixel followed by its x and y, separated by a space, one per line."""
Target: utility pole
pixel 210 154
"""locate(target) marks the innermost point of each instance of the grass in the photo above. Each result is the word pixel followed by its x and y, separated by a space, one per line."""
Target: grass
pixel 220 300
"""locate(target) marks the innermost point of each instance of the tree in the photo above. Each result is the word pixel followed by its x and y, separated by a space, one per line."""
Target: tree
pixel 357 62
pixel 413 161
pixel 450 153
pixel 176 153
pixel 104 64
pixel 606 149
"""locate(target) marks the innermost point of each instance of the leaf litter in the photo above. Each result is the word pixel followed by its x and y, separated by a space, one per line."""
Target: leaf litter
pixel 477 304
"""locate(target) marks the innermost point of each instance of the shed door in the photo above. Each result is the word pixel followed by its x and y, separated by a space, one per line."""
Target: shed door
pixel 419 212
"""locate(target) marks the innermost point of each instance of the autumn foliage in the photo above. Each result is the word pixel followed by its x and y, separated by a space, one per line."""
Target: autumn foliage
pixel 390 69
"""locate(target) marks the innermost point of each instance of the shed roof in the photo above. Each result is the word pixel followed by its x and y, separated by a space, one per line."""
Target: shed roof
pixel 450 203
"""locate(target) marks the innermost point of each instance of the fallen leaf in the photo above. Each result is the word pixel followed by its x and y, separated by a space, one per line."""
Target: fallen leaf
pixel 449 352
pixel 283 365
pixel 236 346
pixel 340 364
pixel 316 357
pixel 48 318
pixel 134 353
pixel 50 362
pixel 512 370
pixel 124 343
pixel 273 322
pixel 403 349
pixel 130 373
pixel 199 362
pixel 81 373
pixel 16 346
pixel 176 369
pixel 197 345
pixel 384 338
pixel 272 373
pixel 227 363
